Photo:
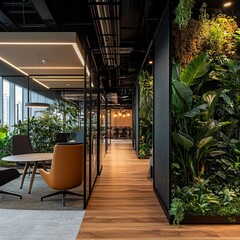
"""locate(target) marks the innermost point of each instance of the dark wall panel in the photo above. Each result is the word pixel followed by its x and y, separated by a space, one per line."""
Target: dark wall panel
pixel 136 116
pixel 161 115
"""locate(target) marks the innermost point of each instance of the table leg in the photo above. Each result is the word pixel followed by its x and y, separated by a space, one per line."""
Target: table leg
pixel 44 165
pixel 26 167
pixel 33 176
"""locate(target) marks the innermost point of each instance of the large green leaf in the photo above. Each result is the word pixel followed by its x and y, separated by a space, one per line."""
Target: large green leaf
pixel 211 97
pixel 184 93
pixel 179 139
pixel 197 68
pixel 175 72
pixel 195 111
pixel 203 142
pixel 177 104
pixel 213 127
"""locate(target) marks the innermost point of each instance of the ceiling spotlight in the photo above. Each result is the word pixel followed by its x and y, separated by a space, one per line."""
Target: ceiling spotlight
pixel 44 61
pixel 227 4
pixel 150 61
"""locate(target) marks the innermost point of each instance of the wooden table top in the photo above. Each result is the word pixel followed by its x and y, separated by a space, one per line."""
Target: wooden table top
pixel 29 157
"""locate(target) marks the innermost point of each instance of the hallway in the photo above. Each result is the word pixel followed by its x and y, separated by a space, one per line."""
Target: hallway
pixel 123 206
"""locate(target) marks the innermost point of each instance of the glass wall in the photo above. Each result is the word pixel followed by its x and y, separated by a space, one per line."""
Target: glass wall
pixel 6 102
pixel 72 109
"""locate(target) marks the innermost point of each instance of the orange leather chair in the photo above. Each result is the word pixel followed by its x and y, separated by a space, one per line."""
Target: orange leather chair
pixel 66 170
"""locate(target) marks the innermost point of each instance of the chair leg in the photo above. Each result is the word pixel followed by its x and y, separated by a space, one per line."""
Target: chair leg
pixel 63 195
pixel 52 194
pixel 73 193
pixel 10 193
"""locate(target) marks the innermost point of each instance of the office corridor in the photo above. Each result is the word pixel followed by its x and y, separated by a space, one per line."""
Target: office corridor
pixel 123 206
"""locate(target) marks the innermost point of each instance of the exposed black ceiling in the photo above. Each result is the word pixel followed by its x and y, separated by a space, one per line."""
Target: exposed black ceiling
pixel 119 32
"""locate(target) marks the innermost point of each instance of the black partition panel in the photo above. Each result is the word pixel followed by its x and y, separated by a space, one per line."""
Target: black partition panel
pixel 136 116
pixel 161 115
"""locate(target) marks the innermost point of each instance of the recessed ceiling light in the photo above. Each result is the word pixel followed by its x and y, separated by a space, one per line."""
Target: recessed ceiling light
pixel 227 4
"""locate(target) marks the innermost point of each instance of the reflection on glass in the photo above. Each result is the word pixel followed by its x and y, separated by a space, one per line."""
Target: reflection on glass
pixel 18 103
pixel 6 102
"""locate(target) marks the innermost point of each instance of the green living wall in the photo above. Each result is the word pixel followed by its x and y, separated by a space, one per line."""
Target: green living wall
pixel 145 81
pixel 205 115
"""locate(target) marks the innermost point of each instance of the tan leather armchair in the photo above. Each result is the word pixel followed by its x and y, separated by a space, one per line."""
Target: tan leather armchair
pixel 66 170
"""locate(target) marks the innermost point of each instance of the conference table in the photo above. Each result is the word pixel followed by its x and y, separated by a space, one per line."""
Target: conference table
pixel 28 159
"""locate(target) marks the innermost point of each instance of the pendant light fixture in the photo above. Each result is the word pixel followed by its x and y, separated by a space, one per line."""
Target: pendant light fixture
pixel 37 104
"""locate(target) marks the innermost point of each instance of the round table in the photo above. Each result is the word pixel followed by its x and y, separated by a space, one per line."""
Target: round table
pixel 29 158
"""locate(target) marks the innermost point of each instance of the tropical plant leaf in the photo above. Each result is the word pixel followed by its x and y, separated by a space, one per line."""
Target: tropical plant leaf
pixel 212 127
pixel 195 110
pixel 197 68
pixel 184 92
pixel 209 96
pixel 204 141
pixel 185 142
pixel 177 104
pixel 216 153
pixel 175 72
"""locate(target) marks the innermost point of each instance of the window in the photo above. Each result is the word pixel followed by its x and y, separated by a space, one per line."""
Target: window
pixel 6 102
pixel 18 103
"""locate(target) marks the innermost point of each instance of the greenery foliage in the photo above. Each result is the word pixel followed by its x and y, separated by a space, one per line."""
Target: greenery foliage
pixel 205 137
pixel 5 143
pixel 61 116
pixel 145 113
pixel 205 117
pixel 217 35
pixel 183 12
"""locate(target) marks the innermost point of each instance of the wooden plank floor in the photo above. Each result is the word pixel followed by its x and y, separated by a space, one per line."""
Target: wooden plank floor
pixel 123 206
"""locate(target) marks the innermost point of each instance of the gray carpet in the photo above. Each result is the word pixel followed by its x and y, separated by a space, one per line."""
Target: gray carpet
pixel 33 201
pixel 36 224
pixel 30 218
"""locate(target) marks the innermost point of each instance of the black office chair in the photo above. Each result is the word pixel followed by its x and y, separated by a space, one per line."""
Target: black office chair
pixel 21 144
pixel 124 133
pixel 116 133
pixel 61 137
pixel 6 176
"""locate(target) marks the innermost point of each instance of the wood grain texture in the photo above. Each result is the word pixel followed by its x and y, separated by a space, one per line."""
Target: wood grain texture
pixel 123 206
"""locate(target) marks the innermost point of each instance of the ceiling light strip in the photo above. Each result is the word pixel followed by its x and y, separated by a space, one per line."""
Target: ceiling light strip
pixel 75 47
pixel 34 79
pixel 36 43
pixel 52 68
pixel 10 64
pixel 60 80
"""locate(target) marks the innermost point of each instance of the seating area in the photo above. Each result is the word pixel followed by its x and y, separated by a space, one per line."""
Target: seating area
pixel 64 172
pixel 121 132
